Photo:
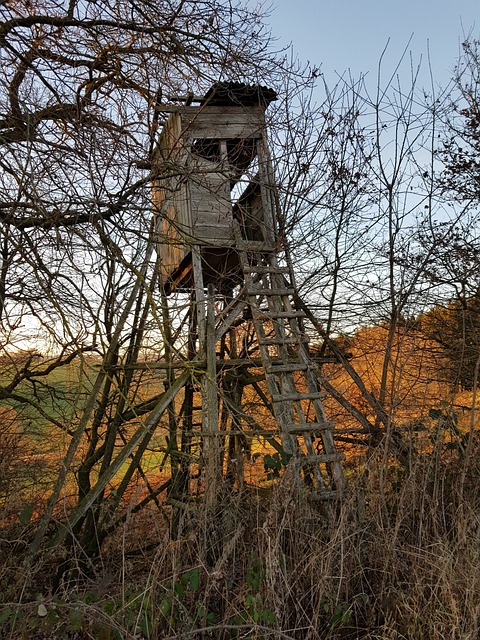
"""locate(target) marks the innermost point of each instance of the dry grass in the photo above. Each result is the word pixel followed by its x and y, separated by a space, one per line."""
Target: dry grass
pixel 398 559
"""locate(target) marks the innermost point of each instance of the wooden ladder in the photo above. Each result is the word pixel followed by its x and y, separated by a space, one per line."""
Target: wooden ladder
pixel 291 376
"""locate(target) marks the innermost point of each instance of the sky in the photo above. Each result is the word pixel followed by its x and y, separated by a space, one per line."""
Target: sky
pixel 351 34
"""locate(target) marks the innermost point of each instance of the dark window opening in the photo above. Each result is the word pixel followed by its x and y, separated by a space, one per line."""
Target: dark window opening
pixel 241 152
pixel 207 148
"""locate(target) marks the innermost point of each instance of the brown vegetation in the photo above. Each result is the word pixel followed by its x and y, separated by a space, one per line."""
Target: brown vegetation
pixel 108 528
pixel 398 560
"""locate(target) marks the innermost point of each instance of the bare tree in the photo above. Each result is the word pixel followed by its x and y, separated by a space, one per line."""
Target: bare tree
pixel 82 87
pixel 356 194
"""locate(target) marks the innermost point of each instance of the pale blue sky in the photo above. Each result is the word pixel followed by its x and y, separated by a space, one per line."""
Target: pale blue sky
pixel 351 34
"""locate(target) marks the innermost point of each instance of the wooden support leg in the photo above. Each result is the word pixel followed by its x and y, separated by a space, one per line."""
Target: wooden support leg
pixel 212 446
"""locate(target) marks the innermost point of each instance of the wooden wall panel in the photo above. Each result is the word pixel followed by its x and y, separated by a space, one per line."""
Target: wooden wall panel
pixel 192 194
pixel 223 122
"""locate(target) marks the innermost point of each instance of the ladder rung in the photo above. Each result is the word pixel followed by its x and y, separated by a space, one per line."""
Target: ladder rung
pixel 270 292
pixel 312 427
pixel 270 315
pixel 262 268
pixel 287 368
pixel 293 397
pixel 324 457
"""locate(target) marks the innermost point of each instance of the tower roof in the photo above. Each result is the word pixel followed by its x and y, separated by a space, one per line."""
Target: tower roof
pixel 239 94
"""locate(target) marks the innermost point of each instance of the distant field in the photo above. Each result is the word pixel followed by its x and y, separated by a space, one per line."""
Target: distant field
pixel 57 397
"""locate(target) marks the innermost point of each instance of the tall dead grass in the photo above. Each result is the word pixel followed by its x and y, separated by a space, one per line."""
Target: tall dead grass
pixel 398 559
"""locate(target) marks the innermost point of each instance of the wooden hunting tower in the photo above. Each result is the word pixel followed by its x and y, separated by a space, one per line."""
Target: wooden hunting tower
pixel 211 165
pixel 216 204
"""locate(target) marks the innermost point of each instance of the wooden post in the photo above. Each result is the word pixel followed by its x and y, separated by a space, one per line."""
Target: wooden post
pixel 199 299
pixel 213 467
pixel 206 349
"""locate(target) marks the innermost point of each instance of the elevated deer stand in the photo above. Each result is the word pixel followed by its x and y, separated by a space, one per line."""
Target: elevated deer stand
pixel 219 253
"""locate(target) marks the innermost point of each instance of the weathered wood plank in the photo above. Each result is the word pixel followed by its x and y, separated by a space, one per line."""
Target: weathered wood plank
pixel 218 122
